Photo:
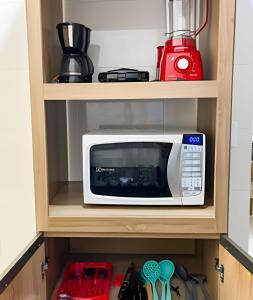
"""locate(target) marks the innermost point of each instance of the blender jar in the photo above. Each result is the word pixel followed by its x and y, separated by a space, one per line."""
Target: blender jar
pixel 181 15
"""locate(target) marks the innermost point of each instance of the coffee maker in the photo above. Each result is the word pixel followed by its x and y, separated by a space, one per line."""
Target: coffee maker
pixel 76 66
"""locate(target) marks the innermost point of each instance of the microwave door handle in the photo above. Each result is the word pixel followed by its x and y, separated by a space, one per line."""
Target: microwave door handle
pixel 174 170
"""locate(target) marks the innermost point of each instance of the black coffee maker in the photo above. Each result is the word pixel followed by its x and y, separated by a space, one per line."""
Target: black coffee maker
pixel 76 66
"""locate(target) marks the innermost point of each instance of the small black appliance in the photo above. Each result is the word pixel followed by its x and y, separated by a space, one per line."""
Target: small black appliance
pixel 123 75
pixel 76 66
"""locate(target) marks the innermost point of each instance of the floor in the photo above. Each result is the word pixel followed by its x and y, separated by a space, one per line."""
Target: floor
pixel 251 236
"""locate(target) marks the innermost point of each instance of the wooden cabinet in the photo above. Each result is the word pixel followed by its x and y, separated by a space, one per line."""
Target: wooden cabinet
pixel 59 206
pixel 188 235
pixel 227 268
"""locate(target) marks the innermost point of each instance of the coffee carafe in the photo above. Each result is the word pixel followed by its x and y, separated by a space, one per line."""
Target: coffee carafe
pixel 76 66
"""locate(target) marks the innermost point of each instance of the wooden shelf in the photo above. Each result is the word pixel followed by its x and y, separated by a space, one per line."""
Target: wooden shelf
pixel 67 213
pixel 139 91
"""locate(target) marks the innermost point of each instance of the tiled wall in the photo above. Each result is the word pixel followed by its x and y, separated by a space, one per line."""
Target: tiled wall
pixel 241 125
pixel 17 215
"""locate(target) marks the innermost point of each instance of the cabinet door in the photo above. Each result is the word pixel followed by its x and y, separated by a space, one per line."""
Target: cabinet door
pixel 238 274
pixel 29 283
pixel 17 201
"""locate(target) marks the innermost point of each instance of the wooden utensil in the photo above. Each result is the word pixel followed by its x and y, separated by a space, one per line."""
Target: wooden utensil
pixel 148 288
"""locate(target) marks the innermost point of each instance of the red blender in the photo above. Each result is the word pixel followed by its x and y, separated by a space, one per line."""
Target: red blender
pixel 181 60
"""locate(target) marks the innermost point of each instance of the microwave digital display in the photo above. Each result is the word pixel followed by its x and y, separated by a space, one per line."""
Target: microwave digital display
pixel 193 139
pixel 130 169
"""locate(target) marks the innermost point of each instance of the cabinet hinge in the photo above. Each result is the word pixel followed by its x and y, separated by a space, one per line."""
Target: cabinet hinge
pixel 44 267
pixel 220 269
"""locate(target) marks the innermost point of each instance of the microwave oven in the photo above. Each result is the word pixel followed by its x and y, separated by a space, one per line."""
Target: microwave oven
pixel 136 168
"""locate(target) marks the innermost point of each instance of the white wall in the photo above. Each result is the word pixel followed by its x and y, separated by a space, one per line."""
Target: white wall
pixel 242 125
pixel 17 213
pixel 127 38
pixel 158 114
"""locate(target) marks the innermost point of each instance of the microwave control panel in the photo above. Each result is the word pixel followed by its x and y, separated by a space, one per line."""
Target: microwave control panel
pixel 192 167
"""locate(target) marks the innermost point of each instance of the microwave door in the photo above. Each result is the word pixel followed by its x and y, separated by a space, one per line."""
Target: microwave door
pixel 174 170
pixel 131 169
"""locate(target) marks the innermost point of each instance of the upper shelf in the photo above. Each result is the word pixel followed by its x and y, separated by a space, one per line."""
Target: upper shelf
pixel 126 91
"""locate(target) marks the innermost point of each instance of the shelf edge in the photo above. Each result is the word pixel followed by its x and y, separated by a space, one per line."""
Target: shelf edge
pixel 73 234
pixel 134 91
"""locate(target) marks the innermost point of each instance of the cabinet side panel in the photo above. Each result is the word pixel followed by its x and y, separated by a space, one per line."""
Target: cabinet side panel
pixel 206 123
pixel 208 41
pixel 52 53
pixel 56 252
pixel 210 253
pixel 223 120
pixel 57 152
pixel 33 9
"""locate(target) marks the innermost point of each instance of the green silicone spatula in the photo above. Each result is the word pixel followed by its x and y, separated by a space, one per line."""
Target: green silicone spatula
pixel 163 283
pixel 151 271
pixel 167 270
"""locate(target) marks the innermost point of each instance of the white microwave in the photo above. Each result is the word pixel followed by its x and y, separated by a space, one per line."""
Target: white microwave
pixel 126 168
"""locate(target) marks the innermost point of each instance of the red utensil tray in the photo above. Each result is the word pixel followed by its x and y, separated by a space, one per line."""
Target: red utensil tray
pixel 86 280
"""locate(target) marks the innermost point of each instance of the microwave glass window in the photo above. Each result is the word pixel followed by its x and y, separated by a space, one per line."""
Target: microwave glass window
pixel 130 169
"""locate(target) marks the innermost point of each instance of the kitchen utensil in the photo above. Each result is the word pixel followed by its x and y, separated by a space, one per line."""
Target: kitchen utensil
pixel 100 281
pixel 72 280
pixel 132 287
pixel 135 286
pixel 176 290
pixel 167 270
pixel 200 280
pixel 141 291
pixel 142 276
pixel 181 60
pixel 143 279
pixel 88 281
pixel 148 288
pixel 64 297
pixel 118 280
pixel 182 273
pixel 125 290
pixel 85 280
pixel 152 272
pixel 163 283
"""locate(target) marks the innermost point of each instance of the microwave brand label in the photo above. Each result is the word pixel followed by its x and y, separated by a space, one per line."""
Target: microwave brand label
pixel 99 170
